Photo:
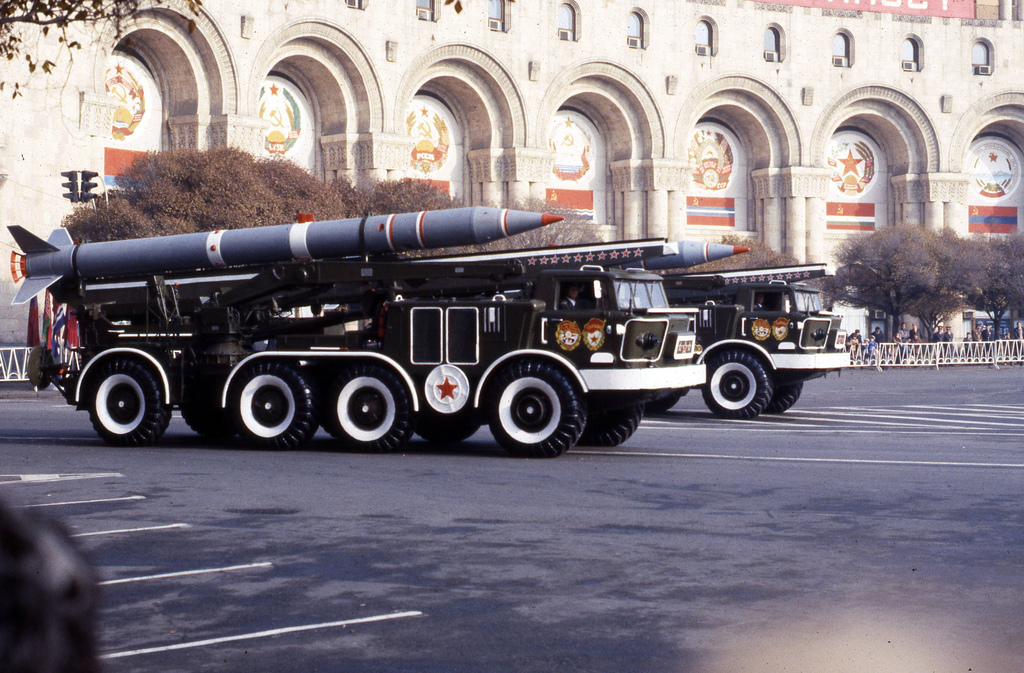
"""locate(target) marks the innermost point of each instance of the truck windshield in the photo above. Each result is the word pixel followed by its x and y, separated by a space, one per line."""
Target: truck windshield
pixel 808 302
pixel 632 294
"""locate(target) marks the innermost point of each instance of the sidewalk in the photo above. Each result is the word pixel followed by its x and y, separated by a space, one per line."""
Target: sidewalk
pixel 22 390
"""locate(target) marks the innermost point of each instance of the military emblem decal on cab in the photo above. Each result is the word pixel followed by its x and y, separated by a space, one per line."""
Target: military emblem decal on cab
pixel 780 328
pixel 594 331
pixel 762 329
pixel 447 389
pixel 568 335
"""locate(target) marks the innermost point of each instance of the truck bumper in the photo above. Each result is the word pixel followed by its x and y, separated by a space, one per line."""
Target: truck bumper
pixel 656 378
pixel 811 360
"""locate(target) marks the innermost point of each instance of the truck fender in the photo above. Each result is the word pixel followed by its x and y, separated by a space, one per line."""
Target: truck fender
pixel 720 345
pixel 307 355
pixel 516 354
pixel 134 352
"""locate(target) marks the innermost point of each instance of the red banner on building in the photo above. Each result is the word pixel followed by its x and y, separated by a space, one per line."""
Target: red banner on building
pixel 958 9
pixel 849 216
pixel 710 211
pixel 992 219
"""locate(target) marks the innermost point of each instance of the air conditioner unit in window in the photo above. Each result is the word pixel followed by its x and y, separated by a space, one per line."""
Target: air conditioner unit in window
pixel 565 34
pixel 633 42
pixel 354 4
pixel 840 62
pixel 879 315
pixel 982 70
pixel 496 24
pixel 424 14
pixel 909 66
pixel 771 56
pixel 703 50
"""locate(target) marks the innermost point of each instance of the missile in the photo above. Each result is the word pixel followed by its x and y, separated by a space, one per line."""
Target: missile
pixel 43 263
pixel 691 253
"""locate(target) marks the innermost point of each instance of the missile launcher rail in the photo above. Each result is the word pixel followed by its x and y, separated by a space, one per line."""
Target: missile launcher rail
pixel 761 333
pixel 375 351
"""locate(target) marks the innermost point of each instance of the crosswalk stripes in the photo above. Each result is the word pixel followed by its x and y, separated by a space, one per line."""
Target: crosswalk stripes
pixel 969 419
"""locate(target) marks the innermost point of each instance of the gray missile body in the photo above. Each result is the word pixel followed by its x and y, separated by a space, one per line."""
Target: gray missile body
pixel 691 253
pixel 43 263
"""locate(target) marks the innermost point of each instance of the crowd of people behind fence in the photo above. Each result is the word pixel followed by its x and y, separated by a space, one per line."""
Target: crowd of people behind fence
pixel 978 344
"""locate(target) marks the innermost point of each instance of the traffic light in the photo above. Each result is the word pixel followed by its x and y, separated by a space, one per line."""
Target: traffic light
pixel 87 186
pixel 71 185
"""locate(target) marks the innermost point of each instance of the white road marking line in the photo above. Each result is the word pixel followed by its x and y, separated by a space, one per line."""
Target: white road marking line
pixel 782 459
pixel 260 634
pixel 45 478
pixel 840 416
pixel 797 429
pixel 132 530
pixel 87 502
pixel 186 573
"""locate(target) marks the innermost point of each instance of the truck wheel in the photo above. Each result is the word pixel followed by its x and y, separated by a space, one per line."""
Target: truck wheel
pixel 664 404
pixel 127 407
pixel 447 429
pixel 738 385
pixel 611 428
pixel 370 410
pixel 535 411
pixel 274 406
pixel 784 397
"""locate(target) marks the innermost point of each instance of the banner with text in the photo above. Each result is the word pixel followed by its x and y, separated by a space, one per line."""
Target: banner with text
pixel 957 9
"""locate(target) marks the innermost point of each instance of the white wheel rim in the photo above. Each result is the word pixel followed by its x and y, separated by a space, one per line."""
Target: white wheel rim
pixel 249 419
pixel 510 425
pixel 102 411
pixel 716 382
pixel 349 425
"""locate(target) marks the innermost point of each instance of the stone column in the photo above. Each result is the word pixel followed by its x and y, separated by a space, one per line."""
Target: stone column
pixel 244 133
pixel 526 170
pixel 676 214
pixel 658 177
pixel 908 194
pixel 767 195
pixel 626 180
pixel 485 166
pixel 947 201
pixel 796 227
pixel 375 155
pixel 816 229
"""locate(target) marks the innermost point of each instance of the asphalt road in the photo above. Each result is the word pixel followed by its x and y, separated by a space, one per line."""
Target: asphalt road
pixel 877 526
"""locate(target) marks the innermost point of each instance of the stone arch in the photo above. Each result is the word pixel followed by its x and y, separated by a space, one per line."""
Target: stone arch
pixel 892 117
pixel 332 69
pixel 476 87
pixel 755 112
pixel 616 100
pixel 194 67
pixel 1002 114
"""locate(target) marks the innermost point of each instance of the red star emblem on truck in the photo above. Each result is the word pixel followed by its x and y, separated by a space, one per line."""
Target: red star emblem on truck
pixel 447 389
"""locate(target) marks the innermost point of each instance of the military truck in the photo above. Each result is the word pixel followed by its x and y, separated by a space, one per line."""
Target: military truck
pixel 761 333
pixel 375 351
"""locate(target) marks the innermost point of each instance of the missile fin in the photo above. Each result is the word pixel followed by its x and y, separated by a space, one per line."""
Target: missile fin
pixel 29 242
pixel 60 238
pixel 31 287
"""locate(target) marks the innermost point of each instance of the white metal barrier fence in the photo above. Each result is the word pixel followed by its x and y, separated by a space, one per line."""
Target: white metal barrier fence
pixel 13 362
pixel 940 355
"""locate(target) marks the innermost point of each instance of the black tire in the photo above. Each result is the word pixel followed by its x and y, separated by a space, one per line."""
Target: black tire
pixel 784 397
pixel 738 385
pixel 274 406
pixel 448 429
pixel 535 411
pixel 664 404
pixel 369 410
pixel 611 428
pixel 126 404
pixel 201 410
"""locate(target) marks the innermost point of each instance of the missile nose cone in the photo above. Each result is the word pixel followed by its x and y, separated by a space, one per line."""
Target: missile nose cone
pixel 547 218
pixel 738 249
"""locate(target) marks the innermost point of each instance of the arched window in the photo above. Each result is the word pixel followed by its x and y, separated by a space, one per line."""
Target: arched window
pixel 635 31
pixel 496 15
pixel 703 38
pixel 841 51
pixel 772 45
pixel 981 58
pixel 567 23
pixel 910 55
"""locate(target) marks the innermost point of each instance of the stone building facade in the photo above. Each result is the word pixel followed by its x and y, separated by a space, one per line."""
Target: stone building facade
pixel 795 125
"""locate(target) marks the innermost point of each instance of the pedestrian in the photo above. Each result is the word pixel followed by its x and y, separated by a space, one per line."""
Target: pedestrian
pixel 854 344
pixel 878 335
pixel 990 333
pixel 913 336
pixel 870 347
pixel 1018 331
pixel 977 333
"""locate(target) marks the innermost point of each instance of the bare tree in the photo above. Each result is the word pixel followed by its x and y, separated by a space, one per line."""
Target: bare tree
pixel 19 16
pixel 997 276
pixel 953 272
